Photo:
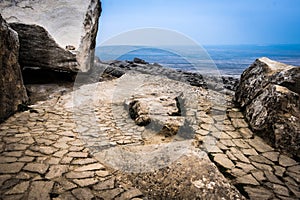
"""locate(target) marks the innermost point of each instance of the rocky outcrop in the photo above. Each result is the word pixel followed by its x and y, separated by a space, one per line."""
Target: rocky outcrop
pixel 12 90
pixel 163 110
pixel 55 34
pixel 269 92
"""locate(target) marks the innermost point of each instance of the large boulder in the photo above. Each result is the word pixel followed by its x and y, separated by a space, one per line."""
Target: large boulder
pixel 269 92
pixel 12 90
pixel 55 34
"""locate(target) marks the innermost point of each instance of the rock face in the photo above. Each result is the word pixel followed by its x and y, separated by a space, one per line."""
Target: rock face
pixel 54 34
pixel 269 92
pixel 12 90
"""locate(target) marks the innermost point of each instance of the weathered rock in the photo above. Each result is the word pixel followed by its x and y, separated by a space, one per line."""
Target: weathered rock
pixel 160 110
pixel 269 93
pixel 12 90
pixel 139 61
pixel 59 35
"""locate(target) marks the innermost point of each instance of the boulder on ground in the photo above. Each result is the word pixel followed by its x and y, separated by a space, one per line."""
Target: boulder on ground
pixel 55 34
pixel 269 93
pixel 12 90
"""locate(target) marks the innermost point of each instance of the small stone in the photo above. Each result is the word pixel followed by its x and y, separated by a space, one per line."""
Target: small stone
pixel 202 132
pixel 234 134
pixel 246 133
pixel 279 189
pixel 261 159
pixel 61 145
pixel 295 176
pixel 4 159
pixel 222 146
pixel 13 153
pixel 262 166
pixel 90 167
pixel 76 148
pixel 231 156
pixel 78 154
pixel 220 135
pixel 23 175
pixel 212 148
pixel 40 190
pixel 238 172
pixel 259 145
pixel 206 127
pixel 109 194
pixel 286 161
pixel 271 156
pixel 53 161
pixel 26 159
pixel 46 150
pixel 289 180
pixel 227 143
pixel 33 153
pixel 228 128
pixel 37 167
pixel 56 171
pixel 259 193
pixel 85 182
pixel 16 147
pixel 279 171
pixel 19 189
pixel 233 114
pixel 294 188
pixel 83 161
pixel 4 178
pixel 84 174
pixel 239 155
pixel 27 140
pixel 65 184
pixel 65 140
pixel 246 167
pixel 259 175
pixel 249 152
pixel 83 193
pixel 66 195
pixel 295 169
pixel 130 194
pixel 247 179
pixel 11 168
pixel 223 160
pixel 239 123
pixel 105 185
pixel 102 173
pixel 66 160
pixel 241 143
pixel 272 178
pixel 66 133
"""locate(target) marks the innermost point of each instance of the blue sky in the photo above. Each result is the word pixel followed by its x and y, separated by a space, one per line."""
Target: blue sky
pixel 207 21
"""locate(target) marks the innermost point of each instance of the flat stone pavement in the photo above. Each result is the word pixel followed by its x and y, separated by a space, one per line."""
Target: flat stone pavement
pixel 45 155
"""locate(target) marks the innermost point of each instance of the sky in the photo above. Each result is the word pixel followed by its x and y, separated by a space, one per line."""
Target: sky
pixel 207 22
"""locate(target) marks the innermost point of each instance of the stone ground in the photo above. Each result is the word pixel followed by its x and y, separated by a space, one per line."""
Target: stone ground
pixel 95 150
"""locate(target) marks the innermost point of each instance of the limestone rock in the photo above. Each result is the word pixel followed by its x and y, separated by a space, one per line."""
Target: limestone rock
pixel 162 110
pixel 269 93
pixel 55 34
pixel 12 90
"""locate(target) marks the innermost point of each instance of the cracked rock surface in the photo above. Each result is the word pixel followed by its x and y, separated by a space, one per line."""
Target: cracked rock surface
pixel 85 145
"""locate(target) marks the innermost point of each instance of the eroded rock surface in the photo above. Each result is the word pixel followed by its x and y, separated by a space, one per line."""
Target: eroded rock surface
pixel 56 34
pixel 269 93
pixel 12 90
pixel 84 145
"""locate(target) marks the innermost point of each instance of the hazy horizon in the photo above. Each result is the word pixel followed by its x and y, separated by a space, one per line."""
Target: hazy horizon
pixel 248 22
